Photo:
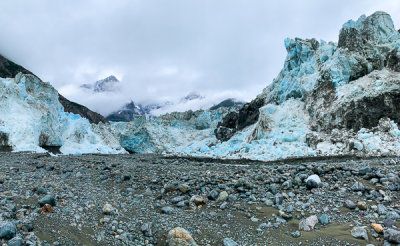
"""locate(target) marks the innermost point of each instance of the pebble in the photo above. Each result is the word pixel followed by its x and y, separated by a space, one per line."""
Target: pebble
pixel 16 241
pixel 313 181
pixel 388 223
pixel 350 204
pixel 167 210
pixel 362 205
pixel 296 234
pixel 377 227
pixel 108 209
pixel 213 195
pixel 7 230
pixel 392 235
pixel 48 199
pixel 323 219
pixel 359 233
pixel 223 196
pixel 358 186
pixel 229 242
pixel 308 224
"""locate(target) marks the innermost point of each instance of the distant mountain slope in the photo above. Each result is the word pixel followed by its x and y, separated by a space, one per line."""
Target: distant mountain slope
pixel 127 112
pixel 228 103
pixel 132 109
pixel 9 69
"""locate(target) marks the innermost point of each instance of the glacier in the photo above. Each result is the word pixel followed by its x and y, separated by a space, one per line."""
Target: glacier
pixel 31 117
pixel 330 98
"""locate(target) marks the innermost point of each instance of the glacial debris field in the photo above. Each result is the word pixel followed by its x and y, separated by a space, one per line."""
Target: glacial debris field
pixel 145 199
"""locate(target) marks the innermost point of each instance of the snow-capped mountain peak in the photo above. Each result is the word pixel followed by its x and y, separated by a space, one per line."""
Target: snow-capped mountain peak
pixel 110 83
pixel 192 96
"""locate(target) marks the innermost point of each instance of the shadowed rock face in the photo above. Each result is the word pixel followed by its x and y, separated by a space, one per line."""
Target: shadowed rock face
pixel 393 60
pixel 364 113
pixel 3 139
pixel 75 108
pixel 234 121
pixel 9 69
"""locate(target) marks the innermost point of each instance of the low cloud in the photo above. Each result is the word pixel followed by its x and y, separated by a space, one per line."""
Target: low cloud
pixel 162 50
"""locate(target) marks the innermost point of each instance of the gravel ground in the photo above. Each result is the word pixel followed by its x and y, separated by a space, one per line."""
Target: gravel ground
pixel 138 199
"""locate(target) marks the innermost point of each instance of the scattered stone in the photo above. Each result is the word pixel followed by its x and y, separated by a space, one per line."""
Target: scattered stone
pixel 362 205
pixel 278 199
pixel 388 223
pixel 364 170
pixel 308 224
pixel 198 200
pixel 323 219
pixel 180 237
pixel 229 242
pixel 41 191
pixel 377 227
pixel 48 199
pixel 178 199
pixel 47 208
pixel 349 204
pixel 184 188
pixel 167 210
pixel 359 233
pixel 108 209
pixel 223 196
pixel 358 186
pixel 16 241
pixel 213 195
pixel 287 184
pixel 392 235
pixel 296 234
pixel 313 181
pixel 7 230
pixel 147 229
pixel 243 182
pixel 393 215
pixel 268 202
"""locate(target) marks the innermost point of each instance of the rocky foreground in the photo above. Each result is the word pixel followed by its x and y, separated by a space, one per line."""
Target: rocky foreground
pixel 153 200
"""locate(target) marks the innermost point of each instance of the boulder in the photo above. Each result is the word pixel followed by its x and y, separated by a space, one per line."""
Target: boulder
pixel 180 237
pixel 309 223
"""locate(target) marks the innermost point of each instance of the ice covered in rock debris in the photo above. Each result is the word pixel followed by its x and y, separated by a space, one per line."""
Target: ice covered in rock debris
pixel 31 117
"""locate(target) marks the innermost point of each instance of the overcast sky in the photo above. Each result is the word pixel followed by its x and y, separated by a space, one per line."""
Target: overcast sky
pixel 162 50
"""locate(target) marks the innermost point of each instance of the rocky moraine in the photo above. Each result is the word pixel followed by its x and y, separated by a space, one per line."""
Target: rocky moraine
pixel 155 200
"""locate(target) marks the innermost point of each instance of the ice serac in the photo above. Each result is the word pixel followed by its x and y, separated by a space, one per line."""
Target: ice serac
pixel 184 133
pixel 9 69
pixel 345 98
pixel 32 117
pixel 329 99
pixel 315 71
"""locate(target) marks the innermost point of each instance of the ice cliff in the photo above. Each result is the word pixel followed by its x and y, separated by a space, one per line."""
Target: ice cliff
pixel 174 133
pixel 31 117
pixel 329 99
